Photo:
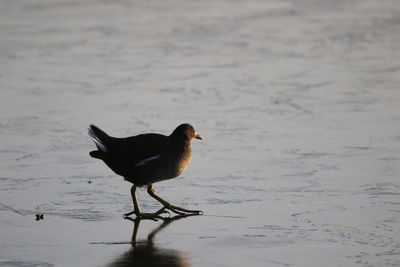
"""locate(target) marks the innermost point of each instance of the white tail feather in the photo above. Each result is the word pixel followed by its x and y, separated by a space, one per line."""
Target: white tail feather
pixel 97 140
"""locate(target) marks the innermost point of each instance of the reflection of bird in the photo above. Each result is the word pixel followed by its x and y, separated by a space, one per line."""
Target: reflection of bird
pixel 146 253
pixel 147 158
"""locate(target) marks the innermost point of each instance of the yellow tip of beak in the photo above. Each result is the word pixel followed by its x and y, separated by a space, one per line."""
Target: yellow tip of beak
pixel 197 136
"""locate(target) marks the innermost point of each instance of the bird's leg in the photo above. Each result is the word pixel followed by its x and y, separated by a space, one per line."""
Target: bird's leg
pixel 136 209
pixel 167 205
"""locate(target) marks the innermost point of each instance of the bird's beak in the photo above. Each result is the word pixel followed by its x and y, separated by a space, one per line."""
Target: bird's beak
pixel 197 136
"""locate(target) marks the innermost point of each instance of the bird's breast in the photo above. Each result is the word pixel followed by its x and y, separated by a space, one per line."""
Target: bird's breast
pixel 182 160
pixel 183 164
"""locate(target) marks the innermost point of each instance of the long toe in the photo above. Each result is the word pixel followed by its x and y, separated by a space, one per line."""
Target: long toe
pixel 183 211
pixel 152 216
pixel 126 215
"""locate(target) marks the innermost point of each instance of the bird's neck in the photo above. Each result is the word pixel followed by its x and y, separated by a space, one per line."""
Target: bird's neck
pixel 183 156
pixel 183 147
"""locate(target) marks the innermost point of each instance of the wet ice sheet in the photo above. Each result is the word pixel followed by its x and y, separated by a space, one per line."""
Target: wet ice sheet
pixel 297 102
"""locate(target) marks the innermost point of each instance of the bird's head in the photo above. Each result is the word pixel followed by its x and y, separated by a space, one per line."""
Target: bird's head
pixel 187 131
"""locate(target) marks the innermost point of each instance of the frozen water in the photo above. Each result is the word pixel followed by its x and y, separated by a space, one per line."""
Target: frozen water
pixel 297 102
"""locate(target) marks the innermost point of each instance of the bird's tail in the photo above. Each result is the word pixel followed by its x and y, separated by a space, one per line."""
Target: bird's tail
pixel 99 137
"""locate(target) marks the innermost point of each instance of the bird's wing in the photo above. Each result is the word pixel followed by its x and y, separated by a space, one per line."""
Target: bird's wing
pixel 141 148
pixel 147 161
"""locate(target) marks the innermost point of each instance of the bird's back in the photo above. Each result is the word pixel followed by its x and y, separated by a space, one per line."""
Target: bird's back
pixel 138 148
pixel 123 154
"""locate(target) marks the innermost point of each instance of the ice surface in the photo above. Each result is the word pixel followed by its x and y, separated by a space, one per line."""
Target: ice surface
pixel 298 104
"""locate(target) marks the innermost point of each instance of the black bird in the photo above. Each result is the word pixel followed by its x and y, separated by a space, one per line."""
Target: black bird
pixel 145 159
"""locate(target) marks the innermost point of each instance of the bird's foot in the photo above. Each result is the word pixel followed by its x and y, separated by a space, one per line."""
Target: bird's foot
pixel 151 216
pixel 182 211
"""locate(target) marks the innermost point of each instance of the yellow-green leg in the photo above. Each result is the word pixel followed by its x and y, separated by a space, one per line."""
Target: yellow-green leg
pixel 167 205
pixel 136 208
